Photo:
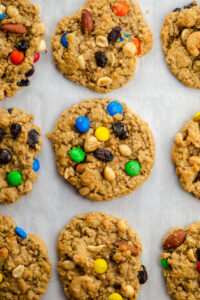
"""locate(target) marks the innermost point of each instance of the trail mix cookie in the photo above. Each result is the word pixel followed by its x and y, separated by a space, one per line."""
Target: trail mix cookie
pixel 99 258
pixel 103 149
pixel 21 39
pixel 99 45
pixel 186 155
pixel 180 41
pixel 25 268
pixel 20 143
pixel 181 262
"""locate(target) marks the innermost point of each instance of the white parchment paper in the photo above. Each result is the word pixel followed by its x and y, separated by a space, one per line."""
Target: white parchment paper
pixel 154 94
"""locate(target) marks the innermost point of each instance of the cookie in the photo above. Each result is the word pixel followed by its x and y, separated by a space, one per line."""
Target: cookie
pixel 25 268
pixel 180 42
pixel 20 143
pixel 21 38
pixel 181 262
pixel 103 149
pixel 186 155
pixel 99 258
pixel 99 46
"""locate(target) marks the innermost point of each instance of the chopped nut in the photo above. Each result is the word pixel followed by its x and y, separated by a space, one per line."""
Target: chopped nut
pixel 104 81
pixel 112 59
pixel 102 41
pixel 91 144
pixel 122 225
pixel 81 62
pixel 127 291
pixel 42 46
pixel 18 271
pixel 95 249
pixel 12 11
pixel 194 160
pixel 179 140
pixel 109 174
pixel 184 35
pixel 81 168
pixel 69 172
pixel 68 265
pixel 84 191
pixel 124 150
pixel 191 256
pixel 130 49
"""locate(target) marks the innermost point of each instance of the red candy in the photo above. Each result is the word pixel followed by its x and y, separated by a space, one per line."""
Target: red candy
pixel 36 56
pixel 121 8
pixel 17 57
pixel 137 43
pixel 198 267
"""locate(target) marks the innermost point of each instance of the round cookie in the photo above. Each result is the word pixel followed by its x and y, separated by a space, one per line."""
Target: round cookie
pixel 180 42
pixel 186 156
pixel 113 158
pixel 21 36
pixel 20 143
pixel 99 255
pixel 181 262
pixel 25 268
pixel 99 45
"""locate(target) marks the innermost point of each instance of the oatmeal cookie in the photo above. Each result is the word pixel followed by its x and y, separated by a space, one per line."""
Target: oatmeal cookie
pixel 21 37
pixel 99 46
pixel 181 44
pixel 99 258
pixel 20 143
pixel 25 268
pixel 186 155
pixel 103 149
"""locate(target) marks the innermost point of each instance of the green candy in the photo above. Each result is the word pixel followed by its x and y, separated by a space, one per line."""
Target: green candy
pixel 132 168
pixel 164 263
pixel 14 178
pixel 77 155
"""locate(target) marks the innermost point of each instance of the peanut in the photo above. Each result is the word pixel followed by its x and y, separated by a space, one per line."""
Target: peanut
pixel 124 150
pixel 109 174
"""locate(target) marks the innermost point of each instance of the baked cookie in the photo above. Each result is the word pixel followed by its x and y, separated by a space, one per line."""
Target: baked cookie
pixel 99 45
pixel 99 258
pixel 20 143
pixel 186 155
pixel 103 149
pixel 180 42
pixel 181 262
pixel 21 39
pixel 25 268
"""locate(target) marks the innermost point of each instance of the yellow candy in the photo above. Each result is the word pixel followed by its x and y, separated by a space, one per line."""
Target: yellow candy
pixel 1 277
pixel 100 266
pixel 102 134
pixel 115 296
pixel 197 117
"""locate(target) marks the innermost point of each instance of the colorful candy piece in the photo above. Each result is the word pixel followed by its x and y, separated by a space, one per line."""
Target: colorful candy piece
pixel 115 296
pixel 14 178
pixel 1 277
pixel 100 266
pixel 2 12
pixel 164 263
pixel 137 43
pixel 3 253
pixel 121 8
pixel 17 57
pixel 82 124
pixel 64 40
pixel 132 168
pixel 36 57
pixel 198 267
pixel 77 155
pixel 36 165
pixel 20 232
pixel 196 117
pixel 126 37
pixel 114 108
pixel 102 134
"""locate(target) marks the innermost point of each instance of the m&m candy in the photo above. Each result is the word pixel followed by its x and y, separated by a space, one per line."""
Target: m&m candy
pixel 102 134
pixel 114 108
pixel 64 40
pixel 2 12
pixel 196 117
pixel 164 263
pixel 82 124
pixel 100 266
pixel 137 43
pixel 77 155
pixel 115 296
pixel 121 8
pixel 14 178
pixel 1 277
pixel 36 57
pixel 36 165
pixel 20 232
pixel 17 57
pixel 132 168
pixel 125 37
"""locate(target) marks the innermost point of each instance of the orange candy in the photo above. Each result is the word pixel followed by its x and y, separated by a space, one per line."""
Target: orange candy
pixel 121 8
pixel 137 43
pixel 17 57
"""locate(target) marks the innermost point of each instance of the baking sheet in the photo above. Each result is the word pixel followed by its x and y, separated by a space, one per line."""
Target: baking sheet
pixel 154 94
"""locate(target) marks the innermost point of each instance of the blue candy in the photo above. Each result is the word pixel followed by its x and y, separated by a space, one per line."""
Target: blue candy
pixel 20 232
pixel 82 124
pixel 64 40
pixel 114 108
pixel 2 16
pixel 126 36
pixel 36 165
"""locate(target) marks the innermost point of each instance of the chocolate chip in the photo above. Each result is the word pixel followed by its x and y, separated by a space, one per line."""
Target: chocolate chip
pixel 177 9
pixel 142 275
pixel 115 34
pixel 197 178
pixel 190 5
pixel 104 155
pixel 30 72
pixel 33 138
pixel 2 134
pixel 101 59
pixel 10 110
pixel 5 156
pixel 198 254
pixel 24 82
pixel 121 130
pixel 23 45
pixel 15 129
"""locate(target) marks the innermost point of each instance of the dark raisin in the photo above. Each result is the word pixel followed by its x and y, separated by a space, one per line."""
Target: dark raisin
pixel 33 138
pixel 2 134
pixel 104 155
pixel 190 5
pixel 15 129
pixel 117 286
pixel 30 72
pixel 10 110
pixel 197 178
pixel 23 45
pixel 142 275
pixel 198 254
pixel 5 156
pixel 101 59
pixel 177 9
pixel 24 82
pixel 115 34
pixel 121 130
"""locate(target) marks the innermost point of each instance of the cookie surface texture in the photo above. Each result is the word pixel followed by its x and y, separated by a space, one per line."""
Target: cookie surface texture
pixel 21 35
pixel 180 42
pixel 112 159
pixel 98 46
pixel 25 267
pixel 20 143
pixel 99 255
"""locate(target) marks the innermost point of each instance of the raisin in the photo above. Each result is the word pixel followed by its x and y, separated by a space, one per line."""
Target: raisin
pixel 10 110
pixel 198 254
pixel 101 59
pixel 104 155
pixel 121 130
pixel 115 34
pixel 5 156
pixel 33 138
pixel 2 134
pixel 15 129
pixel 197 178
pixel 30 72
pixel 23 45
pixel 177 9
pixel 142 275
pixel 190 5
pixel 24 82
